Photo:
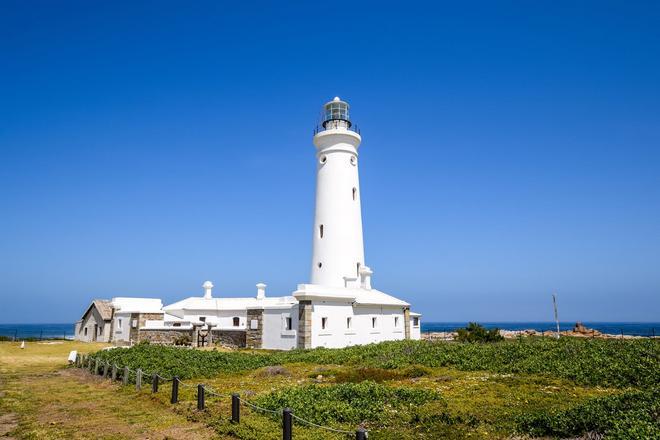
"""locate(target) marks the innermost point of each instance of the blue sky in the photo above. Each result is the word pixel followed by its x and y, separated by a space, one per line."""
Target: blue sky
pixel 511 150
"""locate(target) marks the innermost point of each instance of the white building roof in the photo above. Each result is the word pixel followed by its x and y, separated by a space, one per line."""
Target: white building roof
pixel 137 305
pixel 356 295
pixel 203 304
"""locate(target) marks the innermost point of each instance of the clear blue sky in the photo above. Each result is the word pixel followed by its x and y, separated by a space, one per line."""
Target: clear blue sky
pixel 511 150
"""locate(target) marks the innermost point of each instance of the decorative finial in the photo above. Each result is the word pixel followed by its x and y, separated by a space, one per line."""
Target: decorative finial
pixel 336 99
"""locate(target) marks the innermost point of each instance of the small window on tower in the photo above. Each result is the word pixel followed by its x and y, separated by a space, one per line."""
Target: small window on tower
pixel 353 160
pixel 358 269
pixel 320 264
pixel 321 231
pixel 354 193
pixel 323 159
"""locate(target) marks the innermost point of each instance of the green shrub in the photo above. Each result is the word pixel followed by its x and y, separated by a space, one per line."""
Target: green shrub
pixel 347 402
pixel 631 415
pixel 478 333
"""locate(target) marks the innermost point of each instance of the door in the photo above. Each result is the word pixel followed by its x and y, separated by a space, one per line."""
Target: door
pixel 96 332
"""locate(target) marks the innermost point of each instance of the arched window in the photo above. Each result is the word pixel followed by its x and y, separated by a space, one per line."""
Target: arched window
pixel 321 231
pixel 237 321
pixel 354 193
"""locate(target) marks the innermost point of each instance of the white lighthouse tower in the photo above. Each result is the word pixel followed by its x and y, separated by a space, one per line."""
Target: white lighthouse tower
pixel 338 250
pixel 339 307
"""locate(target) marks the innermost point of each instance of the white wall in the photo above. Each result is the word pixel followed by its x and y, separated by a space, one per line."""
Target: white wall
pixel 341 247
pixel 122 333
pixel 337 334
pixel 223 318
pixel 275 336
pixel 415 330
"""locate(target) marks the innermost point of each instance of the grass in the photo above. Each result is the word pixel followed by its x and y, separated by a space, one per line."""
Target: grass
pixel 396 390
pixel 42 399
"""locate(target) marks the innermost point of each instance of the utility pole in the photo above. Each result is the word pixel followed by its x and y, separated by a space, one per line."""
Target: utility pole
pixel 554 303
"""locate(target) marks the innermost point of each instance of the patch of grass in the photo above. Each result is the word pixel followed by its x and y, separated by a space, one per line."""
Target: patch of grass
pixel 45 400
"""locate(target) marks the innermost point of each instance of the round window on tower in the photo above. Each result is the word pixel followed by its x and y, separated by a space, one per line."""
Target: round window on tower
pixel 353 160
pixel 320 264
pixel 323 159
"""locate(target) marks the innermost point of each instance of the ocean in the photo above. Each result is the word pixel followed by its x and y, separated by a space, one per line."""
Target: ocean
pixel 59 331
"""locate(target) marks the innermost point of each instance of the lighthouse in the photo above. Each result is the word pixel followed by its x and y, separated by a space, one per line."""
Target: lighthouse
pixel 337 249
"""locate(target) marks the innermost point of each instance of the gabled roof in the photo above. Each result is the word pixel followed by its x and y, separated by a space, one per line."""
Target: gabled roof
pixel 103 306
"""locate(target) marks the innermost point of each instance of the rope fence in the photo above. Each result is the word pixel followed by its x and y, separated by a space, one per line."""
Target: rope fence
pixel 124 373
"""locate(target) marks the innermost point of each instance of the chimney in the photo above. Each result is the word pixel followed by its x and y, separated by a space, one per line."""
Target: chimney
pixel 261 291
pixel 208 286
pixel 365 277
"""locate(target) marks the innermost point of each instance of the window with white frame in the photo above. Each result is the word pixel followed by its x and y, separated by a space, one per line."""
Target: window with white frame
pixel 236 321
pixel 396 321
pixel 374 322
pixel 416 321
pixel 324 323
pixel 288 323
pixel 119 324
pixel 349 322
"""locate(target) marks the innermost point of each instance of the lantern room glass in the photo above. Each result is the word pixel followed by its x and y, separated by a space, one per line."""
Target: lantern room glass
pixel 336 111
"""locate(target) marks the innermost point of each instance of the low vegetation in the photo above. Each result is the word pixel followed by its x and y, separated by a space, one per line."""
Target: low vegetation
pixel 525 389
pixel 587 362
pixel 478 333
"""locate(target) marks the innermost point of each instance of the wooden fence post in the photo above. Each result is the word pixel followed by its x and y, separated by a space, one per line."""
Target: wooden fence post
pixel 154 383
pixel 235 408
pixel 361 434
pixel 287 424
pixel 106 366
pixel 125 376
pixel 96 367
pixel 175 390
pixel 138 379
pixel 200 397
pixel 114 372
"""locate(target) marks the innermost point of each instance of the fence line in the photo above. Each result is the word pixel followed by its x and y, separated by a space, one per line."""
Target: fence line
pixel 101 367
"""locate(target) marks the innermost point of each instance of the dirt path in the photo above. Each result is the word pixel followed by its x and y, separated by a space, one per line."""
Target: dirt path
pixel 69 403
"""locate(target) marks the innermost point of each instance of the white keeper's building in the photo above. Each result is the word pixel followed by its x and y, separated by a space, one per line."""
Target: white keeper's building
pixel 339 307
